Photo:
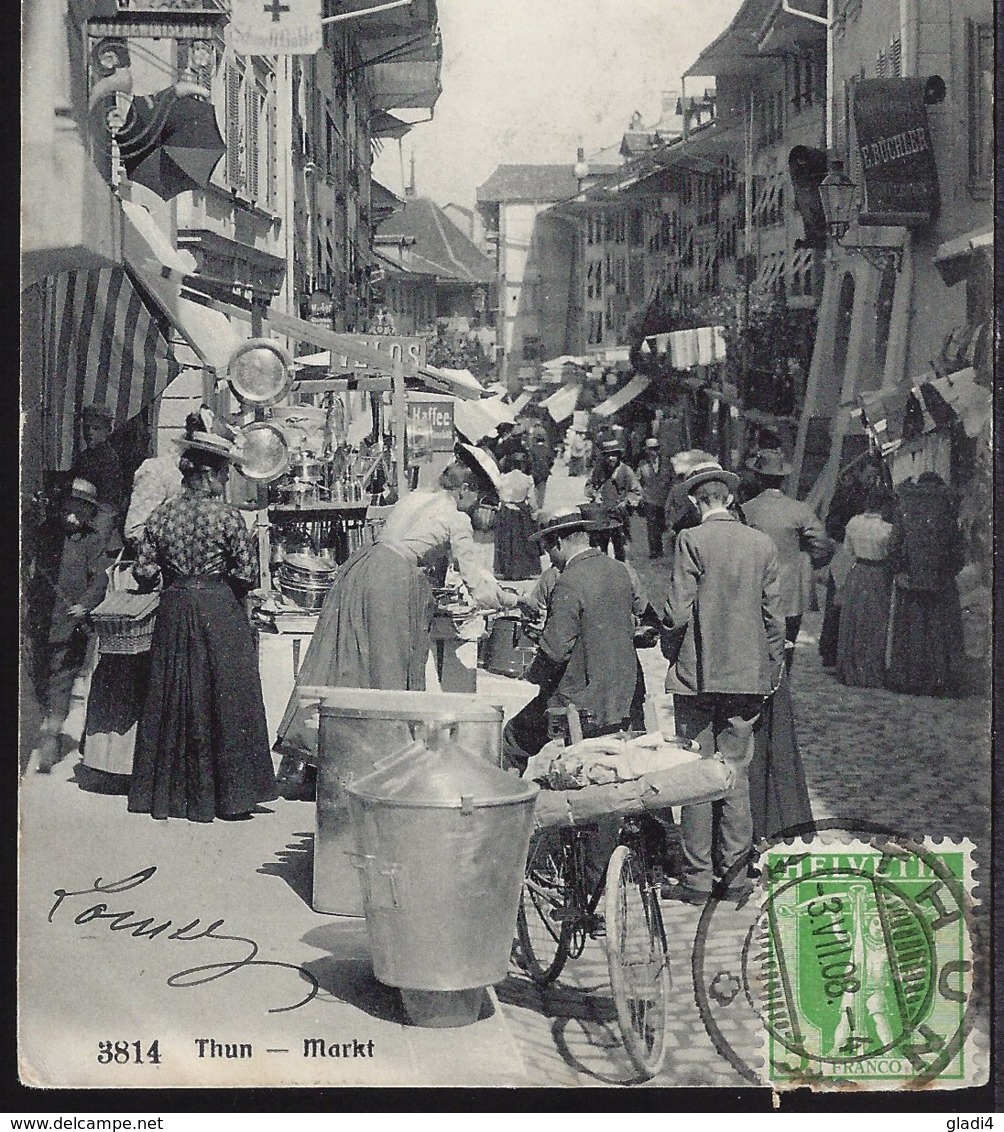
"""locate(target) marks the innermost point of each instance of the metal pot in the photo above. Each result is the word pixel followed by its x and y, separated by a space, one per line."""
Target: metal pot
pixel 303 468
pixel 298 493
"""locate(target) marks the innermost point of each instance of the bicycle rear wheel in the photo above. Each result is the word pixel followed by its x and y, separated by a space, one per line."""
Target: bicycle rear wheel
pixel 544 922
pixel 637 959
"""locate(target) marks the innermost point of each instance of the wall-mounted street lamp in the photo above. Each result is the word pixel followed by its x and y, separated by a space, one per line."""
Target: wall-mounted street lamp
pixel 836 192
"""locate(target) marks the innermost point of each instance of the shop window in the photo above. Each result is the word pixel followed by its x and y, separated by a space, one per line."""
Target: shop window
pixel 980 75
pixel 842 335
pixel 883 316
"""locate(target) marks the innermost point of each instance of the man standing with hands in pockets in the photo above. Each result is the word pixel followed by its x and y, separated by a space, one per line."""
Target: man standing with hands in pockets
pixel 723 635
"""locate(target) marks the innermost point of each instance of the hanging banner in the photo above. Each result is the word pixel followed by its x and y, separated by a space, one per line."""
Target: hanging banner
pixel 897 159
pixel 275 27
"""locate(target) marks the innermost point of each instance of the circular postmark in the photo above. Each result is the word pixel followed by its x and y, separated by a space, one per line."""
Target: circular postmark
pixel 854 958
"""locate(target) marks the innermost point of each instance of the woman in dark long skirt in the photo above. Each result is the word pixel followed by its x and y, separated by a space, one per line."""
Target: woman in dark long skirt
pixel 864 605
pixel 516 553
pixel 925 631
pixel 202 748
pixel 779 798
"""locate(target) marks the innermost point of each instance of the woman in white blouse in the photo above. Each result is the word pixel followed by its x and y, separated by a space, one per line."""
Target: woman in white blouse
pixel 375 624
pixel 865 596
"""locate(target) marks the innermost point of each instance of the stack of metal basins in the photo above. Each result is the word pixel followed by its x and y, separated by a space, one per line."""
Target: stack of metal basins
pixel 306 579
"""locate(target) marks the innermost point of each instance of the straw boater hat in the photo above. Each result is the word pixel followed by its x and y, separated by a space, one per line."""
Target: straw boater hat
pixel 712 470
pixel 770 462
pixel 84 491
pixel 612 446
pixel 683 461
pixel 563 523
pixel 652 442
pixel 481 461
pixel 207 442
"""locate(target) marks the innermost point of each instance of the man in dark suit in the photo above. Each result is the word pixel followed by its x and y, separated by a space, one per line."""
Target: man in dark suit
pixel 723 635
pixel 615 489
pixel 98 462
pixel 586 656
pixel 801 541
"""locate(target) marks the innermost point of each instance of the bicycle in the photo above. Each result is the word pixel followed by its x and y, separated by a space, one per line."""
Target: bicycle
pixel 558 912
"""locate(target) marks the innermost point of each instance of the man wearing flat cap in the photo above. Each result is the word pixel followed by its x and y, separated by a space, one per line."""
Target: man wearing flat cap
pixel 801 541
pixel 98 462
pixel 723 635
pixel 586 656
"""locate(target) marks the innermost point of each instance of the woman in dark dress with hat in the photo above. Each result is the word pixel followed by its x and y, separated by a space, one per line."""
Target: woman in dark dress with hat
pixel 202 748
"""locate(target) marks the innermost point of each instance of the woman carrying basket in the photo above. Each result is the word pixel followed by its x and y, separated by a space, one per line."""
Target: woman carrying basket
pixel 202 750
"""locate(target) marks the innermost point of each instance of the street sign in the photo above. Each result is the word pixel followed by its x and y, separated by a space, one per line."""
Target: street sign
pixel 276 27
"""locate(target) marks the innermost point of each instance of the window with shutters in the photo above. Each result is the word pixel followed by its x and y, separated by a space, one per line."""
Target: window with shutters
pixel 980 81
pixel 896 58
pixel 253 112
pixel 880 65
pixel 234 132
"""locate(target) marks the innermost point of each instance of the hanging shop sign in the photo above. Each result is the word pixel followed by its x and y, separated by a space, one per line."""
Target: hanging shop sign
pixel 430 425
pixel 407 348
pixel 156 19
pixel 320 307
pixel 896 155
pixel 275 27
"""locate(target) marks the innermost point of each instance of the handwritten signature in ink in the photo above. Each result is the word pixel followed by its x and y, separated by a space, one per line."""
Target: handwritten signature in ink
pixel 187 933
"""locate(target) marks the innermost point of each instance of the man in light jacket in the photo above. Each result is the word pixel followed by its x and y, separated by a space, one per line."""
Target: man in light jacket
pixel 723 635
pixel 801 540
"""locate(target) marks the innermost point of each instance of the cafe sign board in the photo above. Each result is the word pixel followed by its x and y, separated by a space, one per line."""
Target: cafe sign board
pixel 896 156
pixel 430 425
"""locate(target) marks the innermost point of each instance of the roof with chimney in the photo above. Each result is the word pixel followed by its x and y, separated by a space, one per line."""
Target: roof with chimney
pixel 437 246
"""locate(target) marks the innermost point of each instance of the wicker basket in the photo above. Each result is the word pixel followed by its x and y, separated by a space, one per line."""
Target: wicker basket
pixel 125 621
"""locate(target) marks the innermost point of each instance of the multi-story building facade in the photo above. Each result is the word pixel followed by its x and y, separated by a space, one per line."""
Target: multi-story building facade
pixel 888 324
pixel 534 252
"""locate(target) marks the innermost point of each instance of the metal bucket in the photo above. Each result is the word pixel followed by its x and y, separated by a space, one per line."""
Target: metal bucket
pixel 359 726
pixel 510 651
pixel 441 840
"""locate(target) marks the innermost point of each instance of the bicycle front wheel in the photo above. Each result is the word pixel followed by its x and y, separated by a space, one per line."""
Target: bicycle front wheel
pixel 545 919
pixel 638 960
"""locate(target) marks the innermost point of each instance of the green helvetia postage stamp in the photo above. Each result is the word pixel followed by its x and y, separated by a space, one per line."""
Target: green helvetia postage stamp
pixel 862 964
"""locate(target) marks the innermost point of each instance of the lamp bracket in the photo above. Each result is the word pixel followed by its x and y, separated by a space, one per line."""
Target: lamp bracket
pixel 879 256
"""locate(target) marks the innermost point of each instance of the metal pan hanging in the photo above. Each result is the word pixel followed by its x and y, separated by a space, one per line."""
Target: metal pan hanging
pixel 264 452
pixel 259 372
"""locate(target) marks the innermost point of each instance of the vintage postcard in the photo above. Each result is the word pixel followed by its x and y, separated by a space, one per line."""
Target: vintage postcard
pixel 506 545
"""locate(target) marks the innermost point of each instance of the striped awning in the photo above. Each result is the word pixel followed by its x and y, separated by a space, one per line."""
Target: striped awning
pixel 101 346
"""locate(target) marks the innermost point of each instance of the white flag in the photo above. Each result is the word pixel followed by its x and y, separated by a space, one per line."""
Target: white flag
pixel 276 27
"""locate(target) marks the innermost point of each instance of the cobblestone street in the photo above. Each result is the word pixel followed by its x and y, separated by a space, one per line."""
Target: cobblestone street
pixel 916 765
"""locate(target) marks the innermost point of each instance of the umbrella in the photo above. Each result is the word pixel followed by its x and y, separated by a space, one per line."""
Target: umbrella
pixel 169 143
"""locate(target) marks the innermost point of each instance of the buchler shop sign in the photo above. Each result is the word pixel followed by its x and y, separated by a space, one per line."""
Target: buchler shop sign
pixel 897 159
pixel 276 27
